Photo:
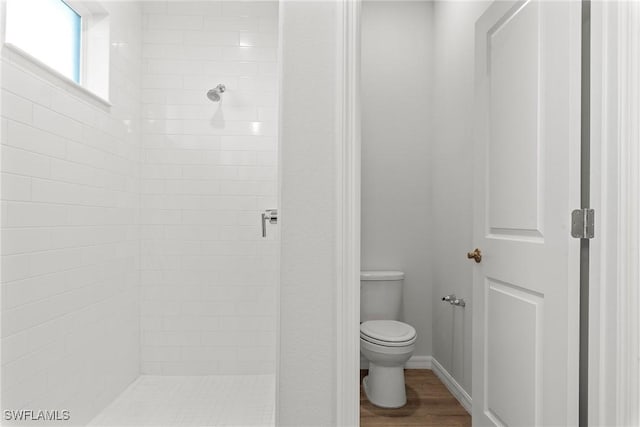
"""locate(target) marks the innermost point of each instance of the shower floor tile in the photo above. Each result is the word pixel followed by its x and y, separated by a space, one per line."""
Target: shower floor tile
pixel 225 400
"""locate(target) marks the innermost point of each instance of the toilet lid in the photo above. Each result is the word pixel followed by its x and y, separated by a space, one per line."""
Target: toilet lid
pixel 388 332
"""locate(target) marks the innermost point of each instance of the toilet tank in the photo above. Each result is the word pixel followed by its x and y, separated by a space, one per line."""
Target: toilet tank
pixel 380 295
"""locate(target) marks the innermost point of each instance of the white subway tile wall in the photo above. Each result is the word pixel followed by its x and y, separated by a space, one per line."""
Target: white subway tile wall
pixel 70 233
pixel 208 278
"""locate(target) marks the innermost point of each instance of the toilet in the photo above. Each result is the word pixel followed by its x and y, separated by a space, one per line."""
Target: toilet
pixel 384 341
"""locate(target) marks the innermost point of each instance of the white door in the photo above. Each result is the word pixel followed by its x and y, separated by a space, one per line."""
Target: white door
pixel 526 288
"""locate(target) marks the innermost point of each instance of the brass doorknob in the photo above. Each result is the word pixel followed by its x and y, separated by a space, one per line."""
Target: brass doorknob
pixel 476 255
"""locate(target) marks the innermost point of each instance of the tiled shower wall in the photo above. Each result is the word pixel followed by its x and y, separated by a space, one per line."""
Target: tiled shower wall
pixel 70 243
pixel 208 277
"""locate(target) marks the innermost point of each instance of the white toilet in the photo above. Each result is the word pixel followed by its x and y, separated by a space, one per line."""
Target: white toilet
pixel 384 341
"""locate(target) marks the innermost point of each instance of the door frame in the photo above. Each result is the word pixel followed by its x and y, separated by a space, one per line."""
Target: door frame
pixel 347 396
pixel 614 385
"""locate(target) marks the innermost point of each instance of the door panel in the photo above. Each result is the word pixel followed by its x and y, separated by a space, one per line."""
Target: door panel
pixel 510 309
pixel 512 60
pixel 527 182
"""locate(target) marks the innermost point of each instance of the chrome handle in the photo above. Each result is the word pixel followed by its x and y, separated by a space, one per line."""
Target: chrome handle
pixel 272 216
pixel 449 298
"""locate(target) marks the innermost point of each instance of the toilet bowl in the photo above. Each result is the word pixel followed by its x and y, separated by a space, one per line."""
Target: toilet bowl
pixel 387 345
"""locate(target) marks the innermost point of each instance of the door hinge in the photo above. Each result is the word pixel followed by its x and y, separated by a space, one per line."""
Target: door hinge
pixel 582 224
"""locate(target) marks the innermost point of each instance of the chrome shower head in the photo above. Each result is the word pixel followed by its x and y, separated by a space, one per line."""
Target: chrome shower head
pixel 214 94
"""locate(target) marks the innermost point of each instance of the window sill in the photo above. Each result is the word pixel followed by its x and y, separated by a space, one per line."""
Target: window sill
pixel 42 70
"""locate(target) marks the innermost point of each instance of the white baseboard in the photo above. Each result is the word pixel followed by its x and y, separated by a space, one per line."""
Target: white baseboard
pixel 452 385
pixel 416 362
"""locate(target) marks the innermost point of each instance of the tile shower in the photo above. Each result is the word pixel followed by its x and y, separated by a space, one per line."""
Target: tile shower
pixel 131 245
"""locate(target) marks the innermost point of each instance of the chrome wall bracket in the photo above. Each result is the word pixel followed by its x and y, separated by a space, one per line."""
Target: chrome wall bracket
pixel 454 300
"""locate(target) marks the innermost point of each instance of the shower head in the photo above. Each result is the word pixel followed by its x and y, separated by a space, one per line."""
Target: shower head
pixel 214 94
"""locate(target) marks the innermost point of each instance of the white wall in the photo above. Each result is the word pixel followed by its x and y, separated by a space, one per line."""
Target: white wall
pixel 452 186
pixel 70 337
pixel 397 91
pixel 209 169
pixel 309 119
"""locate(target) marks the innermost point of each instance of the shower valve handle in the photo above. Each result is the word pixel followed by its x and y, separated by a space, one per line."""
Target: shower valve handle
pixel 272 216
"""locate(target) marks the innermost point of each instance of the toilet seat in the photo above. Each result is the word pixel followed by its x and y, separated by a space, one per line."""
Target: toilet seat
pixel 388 333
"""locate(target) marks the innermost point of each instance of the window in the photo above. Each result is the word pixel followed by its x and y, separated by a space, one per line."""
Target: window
pixel 64 41
pixel 48 30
